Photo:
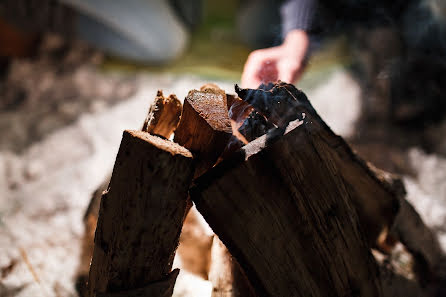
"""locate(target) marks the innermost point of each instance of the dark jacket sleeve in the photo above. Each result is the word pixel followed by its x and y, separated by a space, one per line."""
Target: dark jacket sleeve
pixel 297 14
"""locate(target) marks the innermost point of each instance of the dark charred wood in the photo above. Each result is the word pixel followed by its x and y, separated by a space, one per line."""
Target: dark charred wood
pixel 374 198
pixel 283 212
pixel 254 126
pixel 141 215
pixel 162 119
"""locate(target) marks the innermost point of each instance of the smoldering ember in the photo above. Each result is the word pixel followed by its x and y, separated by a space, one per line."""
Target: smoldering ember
pixel 297 212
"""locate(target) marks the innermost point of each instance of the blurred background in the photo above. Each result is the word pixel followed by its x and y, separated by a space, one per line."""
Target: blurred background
pixel 74 74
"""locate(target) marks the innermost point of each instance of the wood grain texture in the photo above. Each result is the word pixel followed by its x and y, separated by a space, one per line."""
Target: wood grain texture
pixel 163 116
pixel 141 214
pixel 204 128
pixel 285 214
pixel 374 199
pixel 162 119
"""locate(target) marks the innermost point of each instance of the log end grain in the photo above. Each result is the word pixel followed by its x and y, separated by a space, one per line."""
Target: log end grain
pixel 162 144
pixel 204 127
pixel 212 107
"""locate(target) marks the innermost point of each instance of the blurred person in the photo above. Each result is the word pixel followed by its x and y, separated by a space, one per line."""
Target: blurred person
pixel 403 40
pixel 302 20
pixel 147 31
pixel 279 60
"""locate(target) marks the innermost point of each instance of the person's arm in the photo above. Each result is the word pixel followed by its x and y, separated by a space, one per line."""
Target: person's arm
pixel 286 61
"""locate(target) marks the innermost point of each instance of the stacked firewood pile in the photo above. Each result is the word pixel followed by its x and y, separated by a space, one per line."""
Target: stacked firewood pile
pixel 296 211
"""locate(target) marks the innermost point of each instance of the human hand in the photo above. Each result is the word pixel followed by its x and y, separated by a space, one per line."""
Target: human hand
pixel 284 62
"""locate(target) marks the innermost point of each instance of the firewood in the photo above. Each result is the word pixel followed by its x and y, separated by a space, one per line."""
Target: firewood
pixel 141 216
pixel 374 198
pixel 204 128
pixel 163 116
pixel 280 104
pixel 247 124
pixel 285 214
pixel 230 99
pixel 238 111
pixel 162 119
pixel 226 275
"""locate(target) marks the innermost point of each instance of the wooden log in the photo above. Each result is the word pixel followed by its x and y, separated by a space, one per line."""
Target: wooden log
pixel 376 202
pixel 163 116
pixel 204 128
pixel 162 119
pixel 375 194
pixel 285 214
pixel 226 275
pixel 141 215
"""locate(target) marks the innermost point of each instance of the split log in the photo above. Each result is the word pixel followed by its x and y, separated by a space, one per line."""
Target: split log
pixel 284 212
pixel 161 120
pixel 163 116
pixel 374 199
pixel 247 123
pixel 140 217
pixel 204 128
pixel 226 275
pixel 379 197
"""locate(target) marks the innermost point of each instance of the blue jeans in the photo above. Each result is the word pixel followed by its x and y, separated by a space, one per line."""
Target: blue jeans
pixel 147 31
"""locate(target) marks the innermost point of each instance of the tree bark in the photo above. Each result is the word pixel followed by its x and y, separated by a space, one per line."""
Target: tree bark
pixel 205 129
pixel 140 216
pixel 285 214
pixel 162 119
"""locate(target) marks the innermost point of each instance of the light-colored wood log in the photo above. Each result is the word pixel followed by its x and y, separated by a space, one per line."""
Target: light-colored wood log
pixel 162 119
